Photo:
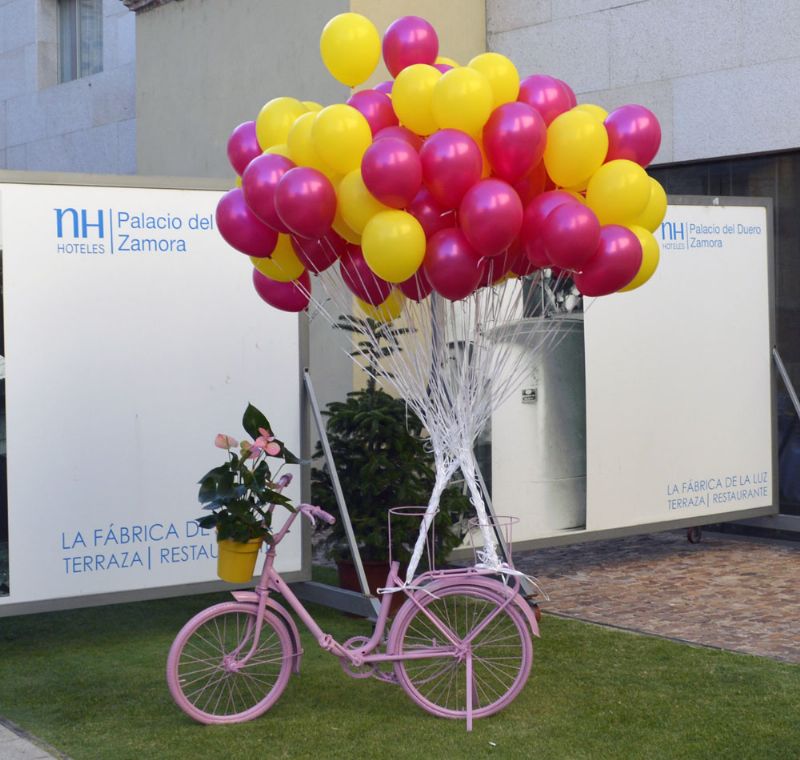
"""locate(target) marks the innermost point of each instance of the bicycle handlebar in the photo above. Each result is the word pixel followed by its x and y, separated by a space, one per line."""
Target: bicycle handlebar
pixel 312 512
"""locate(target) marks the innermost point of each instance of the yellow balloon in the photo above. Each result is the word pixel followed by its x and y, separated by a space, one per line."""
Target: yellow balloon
pixel 387 310
pixel 341 135
pixel 447 61
pixel 312 105
pixel 282 149
pixel 486 167
pixel 462 99
pixel 275 119
pixel 650 258
pixel 593 110
pixel 577 144
pixel 656 208
pixel 282 265
pixel 341 228
pixel 412 97
pixel 350 47
pixel 357 204
pixel 618 192
pixel 238 181
pixel 301 148
pixel 394 245
pixel 502 75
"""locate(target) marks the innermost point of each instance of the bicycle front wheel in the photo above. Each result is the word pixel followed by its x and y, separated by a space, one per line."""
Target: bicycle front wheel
pixel 207 673
pixel 501 652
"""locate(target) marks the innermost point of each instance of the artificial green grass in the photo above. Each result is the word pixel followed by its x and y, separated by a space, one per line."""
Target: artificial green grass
pixel 91 683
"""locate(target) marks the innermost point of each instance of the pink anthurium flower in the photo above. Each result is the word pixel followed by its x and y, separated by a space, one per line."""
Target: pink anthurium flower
pixel 225 442
pixel 266 442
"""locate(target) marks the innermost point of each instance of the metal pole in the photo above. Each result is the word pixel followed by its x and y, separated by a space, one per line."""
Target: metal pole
pixel 337 489
pixel 786 380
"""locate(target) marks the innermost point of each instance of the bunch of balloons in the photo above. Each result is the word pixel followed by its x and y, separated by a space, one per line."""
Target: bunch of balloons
pixel 447 178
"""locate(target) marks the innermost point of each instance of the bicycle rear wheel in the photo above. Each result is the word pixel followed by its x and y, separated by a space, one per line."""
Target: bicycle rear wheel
pixel 205 674
pixel 502 652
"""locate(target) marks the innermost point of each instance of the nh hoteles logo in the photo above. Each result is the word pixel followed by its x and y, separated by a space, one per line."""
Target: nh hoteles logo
pixel 81 226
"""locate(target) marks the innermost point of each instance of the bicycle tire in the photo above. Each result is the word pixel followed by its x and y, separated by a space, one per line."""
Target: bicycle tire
pixel 502 652
pixel 202 673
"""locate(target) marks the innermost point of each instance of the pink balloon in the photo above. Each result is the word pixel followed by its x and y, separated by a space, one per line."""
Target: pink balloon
pixel 490 216
pixel 392 171
pixel 451 264
pixel 569 92
pixel 417 287
pixel 532 184
pixel 520 264
pixel 633 133
pixel 570 234
pixel 443 67
pixel 514 140
pixel 318 255
pixel 548 95
pixel 402 133
pixel 306 202
pixel 241 228
pixel 259 182
pixel 243 146
pixel 494 268
pixel 615 263
pixel 286 296
pixel 360 279
pixel 451 165
pixel 407 41
pixel 533 219
pixel 375 107
pixel 384 87
pixel 430 214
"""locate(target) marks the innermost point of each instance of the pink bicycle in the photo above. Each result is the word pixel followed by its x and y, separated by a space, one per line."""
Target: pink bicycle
pixel 460 645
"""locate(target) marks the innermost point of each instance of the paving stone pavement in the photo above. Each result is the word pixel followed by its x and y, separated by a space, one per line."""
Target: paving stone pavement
pixel 729 592
pixel 15 744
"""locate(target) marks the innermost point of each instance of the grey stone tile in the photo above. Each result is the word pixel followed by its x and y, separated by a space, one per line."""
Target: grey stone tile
pixel 773 31
pixel 112 96
pixel 17 24
pixel 504 15
pixel 567 8
pixel 126 137
pixel 12 64
pixel 17 157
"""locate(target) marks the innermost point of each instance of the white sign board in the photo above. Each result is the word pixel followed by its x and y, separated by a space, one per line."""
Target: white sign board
pixel 679 408
pixel 133 335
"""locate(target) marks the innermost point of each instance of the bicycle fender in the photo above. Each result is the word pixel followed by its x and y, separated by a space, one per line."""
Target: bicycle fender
pixel 491 585
pixel 250 597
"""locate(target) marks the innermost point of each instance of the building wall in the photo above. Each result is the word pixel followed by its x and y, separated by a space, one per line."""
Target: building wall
pixel 87 125
pixel 721 74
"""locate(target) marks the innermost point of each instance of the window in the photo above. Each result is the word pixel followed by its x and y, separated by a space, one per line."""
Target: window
pixel 80 38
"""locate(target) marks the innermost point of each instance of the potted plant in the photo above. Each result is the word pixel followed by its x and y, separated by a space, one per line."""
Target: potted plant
pixel 382 461
pixel 239 493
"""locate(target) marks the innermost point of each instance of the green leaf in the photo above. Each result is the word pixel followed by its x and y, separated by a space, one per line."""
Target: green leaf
pixel 253 420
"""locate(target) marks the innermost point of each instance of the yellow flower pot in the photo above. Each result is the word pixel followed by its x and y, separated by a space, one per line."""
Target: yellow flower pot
pixel 236 561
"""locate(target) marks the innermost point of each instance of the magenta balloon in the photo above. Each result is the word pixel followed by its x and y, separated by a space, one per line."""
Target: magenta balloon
pixel 452 265
pixel 490 215
pixel 532 184
pixel 407 41
pixel 568 92
pixel 531 232
pixel 392 171
pixel 259 182
pixel 286 296
pixel 360 279
pixel 375 107
pixel 633 133
pixel 615 263
pixel 430 214
pixel 306 202
pixel 243 146
pixel 520 264
pixel 417 287
pixel 385 87
pixel 514 140
pixel 241 228
pixel 317 255
pixel 570 234
pixel 451 165
pixel 494 268
pixel 443 67
pixel 402 133
pixel 548 95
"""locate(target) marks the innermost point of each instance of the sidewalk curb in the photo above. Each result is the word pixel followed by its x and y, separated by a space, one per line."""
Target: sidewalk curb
pixel 20 745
